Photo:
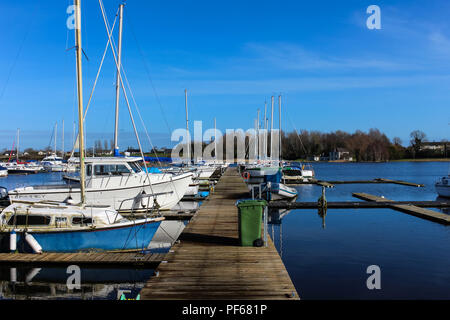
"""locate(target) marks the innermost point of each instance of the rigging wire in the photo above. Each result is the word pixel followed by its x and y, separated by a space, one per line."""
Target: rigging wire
pixel 114 48
pixel 8 77
pixel 298 135
pixel 105 19
pixel 147 69
pixel 96 79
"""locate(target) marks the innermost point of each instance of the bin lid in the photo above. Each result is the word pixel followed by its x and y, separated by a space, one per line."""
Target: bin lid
pixel 250 203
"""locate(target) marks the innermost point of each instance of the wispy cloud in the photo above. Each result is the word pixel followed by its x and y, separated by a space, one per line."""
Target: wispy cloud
pixel 292 85
pixel 294 57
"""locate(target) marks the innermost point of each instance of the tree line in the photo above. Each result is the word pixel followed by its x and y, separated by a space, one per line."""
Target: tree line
pixel 362 146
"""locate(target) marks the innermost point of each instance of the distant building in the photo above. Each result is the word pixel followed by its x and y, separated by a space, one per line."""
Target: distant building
pixel 314 158
pixel 340 154
pixel 435 146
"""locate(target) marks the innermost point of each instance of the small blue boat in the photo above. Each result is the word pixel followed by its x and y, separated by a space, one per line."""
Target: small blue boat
pixel 47 227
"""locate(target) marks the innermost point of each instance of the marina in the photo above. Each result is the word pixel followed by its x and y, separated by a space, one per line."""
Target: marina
pixel 208 263
pixel 155 151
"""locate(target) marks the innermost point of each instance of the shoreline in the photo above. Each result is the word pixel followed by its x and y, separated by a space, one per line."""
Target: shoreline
pixel 400 160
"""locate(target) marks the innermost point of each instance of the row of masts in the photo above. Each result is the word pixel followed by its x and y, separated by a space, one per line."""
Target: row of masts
pixel 55 136
pixel 265 135
pixel 257 130
pixel 188 138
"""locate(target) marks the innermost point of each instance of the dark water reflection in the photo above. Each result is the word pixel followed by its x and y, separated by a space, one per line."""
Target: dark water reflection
pixel 324 263
pixel 331 263
pixel 27 283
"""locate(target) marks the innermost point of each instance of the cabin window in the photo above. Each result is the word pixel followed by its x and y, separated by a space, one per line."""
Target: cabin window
pixel 88 170
pixel 110 169
pixel 122 169
pixel 81 220
pixel 136 168
pixel 31 220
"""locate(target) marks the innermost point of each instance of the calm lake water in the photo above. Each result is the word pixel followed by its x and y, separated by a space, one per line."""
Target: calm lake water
pixel 324 263
pixel 331 262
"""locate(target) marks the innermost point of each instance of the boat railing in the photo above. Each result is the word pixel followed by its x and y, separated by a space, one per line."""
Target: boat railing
pixel 155 205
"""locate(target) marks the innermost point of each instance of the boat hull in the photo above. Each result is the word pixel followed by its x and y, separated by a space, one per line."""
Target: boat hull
pixel 137 197
pixel 443 190
pixel 131 236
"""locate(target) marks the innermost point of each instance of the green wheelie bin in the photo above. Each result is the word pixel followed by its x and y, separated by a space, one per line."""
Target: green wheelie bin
pixel 250 221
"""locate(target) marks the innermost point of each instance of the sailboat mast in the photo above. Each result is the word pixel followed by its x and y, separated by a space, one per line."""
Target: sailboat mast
pixel 187 128
pixel 80 97
pixel 119 62
pixel 257 138
pixel 265 132
pixel 54 138
pixel 62 151
pixel 215 141
pixel 271 133
pixel 279 134
pixel 17 152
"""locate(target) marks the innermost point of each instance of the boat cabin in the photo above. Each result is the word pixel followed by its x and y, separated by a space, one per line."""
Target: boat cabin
pixel 50 216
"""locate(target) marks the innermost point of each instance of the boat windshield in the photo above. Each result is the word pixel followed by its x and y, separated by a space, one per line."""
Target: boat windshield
pixel 110 169
pixel 136 167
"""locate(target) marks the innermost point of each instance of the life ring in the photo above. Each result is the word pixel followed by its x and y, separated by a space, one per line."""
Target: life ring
pixel 246 175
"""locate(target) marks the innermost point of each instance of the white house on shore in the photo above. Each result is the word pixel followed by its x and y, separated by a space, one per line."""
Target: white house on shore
pixel 340 154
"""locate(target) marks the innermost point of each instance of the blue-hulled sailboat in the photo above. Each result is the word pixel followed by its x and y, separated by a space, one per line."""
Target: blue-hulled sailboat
pixel 44 226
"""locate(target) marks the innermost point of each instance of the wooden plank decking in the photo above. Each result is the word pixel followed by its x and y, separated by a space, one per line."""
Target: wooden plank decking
pixel 409 209
pixel 208 262
pixel 94 258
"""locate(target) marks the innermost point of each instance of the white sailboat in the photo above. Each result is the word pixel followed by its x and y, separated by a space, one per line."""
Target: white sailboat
pixel 266 177
pixel 65 227
pixel 119 181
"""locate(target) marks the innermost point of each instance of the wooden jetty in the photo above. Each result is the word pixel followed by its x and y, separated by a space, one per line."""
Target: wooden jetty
pixel 208 263
pixel 357 204
pixel 91 259
pixel 330 184
pixel 408 208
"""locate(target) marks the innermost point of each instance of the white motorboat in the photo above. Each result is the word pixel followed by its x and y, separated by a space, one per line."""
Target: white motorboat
pixel 3 171
pixel 117 182
pixel 22 168
pixel 279 191
pixel 302 172
pixel 443 187
pixel 53 163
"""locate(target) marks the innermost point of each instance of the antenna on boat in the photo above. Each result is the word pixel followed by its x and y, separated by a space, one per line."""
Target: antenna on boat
pixel 118 80
pixel 78 50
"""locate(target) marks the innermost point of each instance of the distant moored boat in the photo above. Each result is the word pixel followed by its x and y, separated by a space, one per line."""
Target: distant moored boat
pixel 443 187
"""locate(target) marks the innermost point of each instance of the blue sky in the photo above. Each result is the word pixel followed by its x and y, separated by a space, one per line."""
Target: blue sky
pixel 334 73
